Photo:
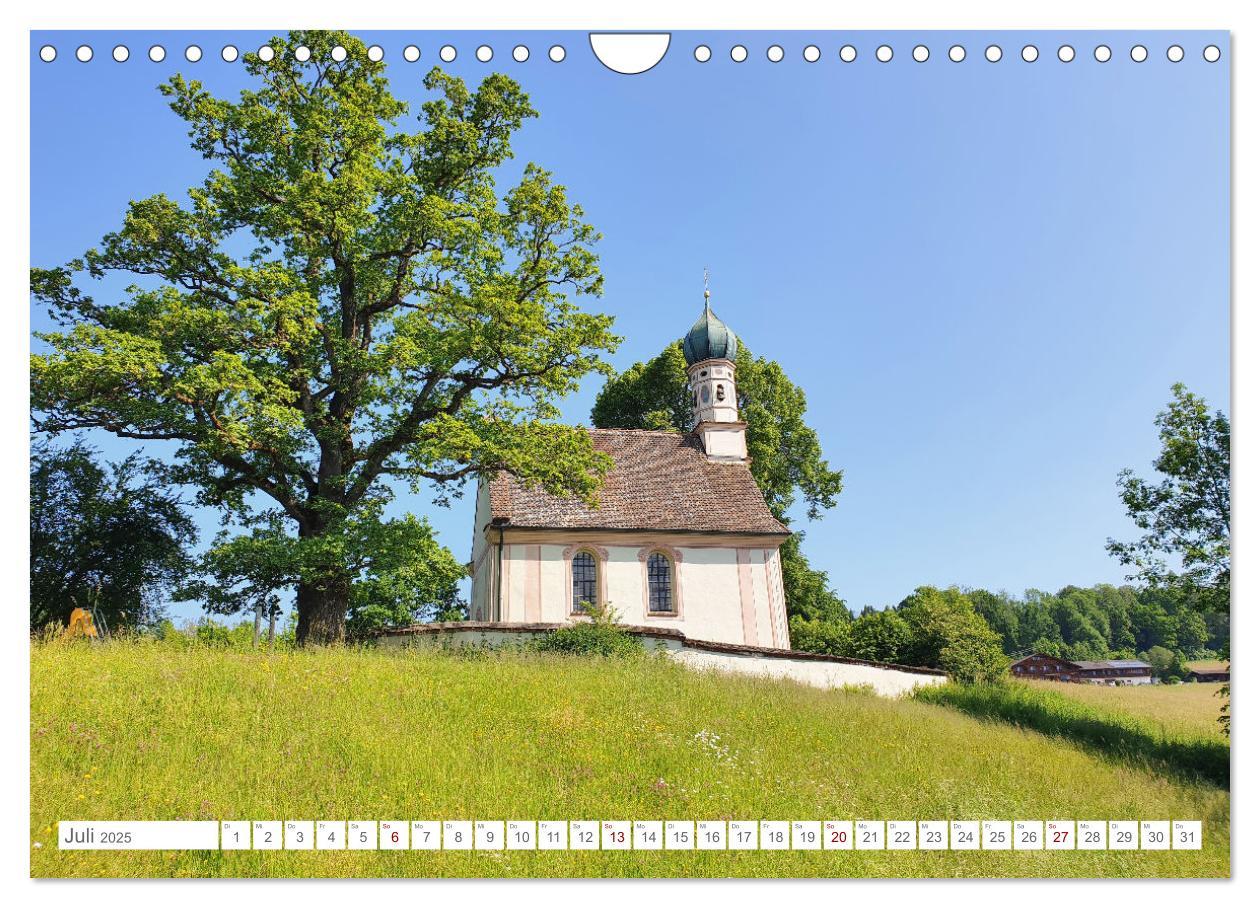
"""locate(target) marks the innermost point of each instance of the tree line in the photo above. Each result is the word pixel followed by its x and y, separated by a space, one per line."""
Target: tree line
pixel 1099 622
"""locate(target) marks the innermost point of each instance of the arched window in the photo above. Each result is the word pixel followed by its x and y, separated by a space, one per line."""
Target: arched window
pixel 660 578
pixel 585 580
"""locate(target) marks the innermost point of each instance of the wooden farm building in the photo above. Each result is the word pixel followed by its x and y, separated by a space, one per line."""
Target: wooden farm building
pixel 1209 673
pixel 1108 671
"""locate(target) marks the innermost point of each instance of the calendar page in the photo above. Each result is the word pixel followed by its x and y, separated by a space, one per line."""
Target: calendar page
pixel 646 453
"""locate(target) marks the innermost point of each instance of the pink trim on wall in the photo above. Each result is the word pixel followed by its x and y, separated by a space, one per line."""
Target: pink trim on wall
pixel 675 556
pixel 778 605
pixel 533 583
pixel 764 576
pixel 746 597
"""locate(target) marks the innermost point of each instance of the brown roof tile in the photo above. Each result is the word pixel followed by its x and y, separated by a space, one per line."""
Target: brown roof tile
pixel 659 481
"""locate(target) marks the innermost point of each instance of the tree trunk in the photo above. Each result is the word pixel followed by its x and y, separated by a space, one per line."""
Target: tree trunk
pixel 322 611
pixel 271 627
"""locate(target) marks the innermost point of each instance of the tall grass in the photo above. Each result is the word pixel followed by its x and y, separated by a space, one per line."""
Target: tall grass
pixel 151 732
pixel 1115 734
pixel 1179 709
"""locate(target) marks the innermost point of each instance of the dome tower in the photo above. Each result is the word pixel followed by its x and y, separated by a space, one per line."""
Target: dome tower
pixel 710 348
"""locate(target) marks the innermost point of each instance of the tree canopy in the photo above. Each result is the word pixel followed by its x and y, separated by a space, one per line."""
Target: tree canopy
pixel 1184 516
pixel 109 537
pixel 787 459
pixel 345 303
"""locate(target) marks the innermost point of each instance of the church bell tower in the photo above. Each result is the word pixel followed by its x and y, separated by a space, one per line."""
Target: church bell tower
pixel 710 349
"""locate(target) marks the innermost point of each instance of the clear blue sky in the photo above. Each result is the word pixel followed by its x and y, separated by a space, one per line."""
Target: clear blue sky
pixel 985 276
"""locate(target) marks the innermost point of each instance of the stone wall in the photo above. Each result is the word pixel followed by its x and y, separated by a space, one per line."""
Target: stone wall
pixel 813 669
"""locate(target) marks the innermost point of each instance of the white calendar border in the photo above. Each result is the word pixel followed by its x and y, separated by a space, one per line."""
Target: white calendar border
pixel 505 14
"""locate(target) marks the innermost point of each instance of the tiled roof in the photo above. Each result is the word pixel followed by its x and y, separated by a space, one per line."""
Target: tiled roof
pixel 659 481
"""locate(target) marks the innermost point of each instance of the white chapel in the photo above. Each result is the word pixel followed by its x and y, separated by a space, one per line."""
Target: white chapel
pixel 681 538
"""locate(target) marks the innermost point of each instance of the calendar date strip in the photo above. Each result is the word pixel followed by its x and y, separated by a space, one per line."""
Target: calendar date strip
pixel 631 835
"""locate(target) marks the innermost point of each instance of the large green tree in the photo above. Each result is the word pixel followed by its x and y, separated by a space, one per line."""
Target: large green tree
pixel 947 632
pixel 1184 515
pixel 108 537
pixel 400 573
pixel 787 461
pixel 346 303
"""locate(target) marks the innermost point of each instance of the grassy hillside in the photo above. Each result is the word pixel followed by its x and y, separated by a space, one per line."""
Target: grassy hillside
pixel 134 731
pixel 1186 709
pixel 1114 734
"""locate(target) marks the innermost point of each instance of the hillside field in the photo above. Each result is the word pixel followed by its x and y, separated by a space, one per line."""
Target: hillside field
pixel 147 731
pixel 1177 708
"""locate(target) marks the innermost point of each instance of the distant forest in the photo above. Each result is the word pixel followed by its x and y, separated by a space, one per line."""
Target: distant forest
pixel 1101 622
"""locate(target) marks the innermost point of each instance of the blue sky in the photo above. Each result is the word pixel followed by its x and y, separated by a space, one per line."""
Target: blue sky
pixel 984 275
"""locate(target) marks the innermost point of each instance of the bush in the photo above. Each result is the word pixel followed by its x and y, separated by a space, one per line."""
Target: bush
pixel 973 658
pixel 1165 664
pixel 946 632
pixel 879 636
pixel 206 632
pixel 600 636
pixel 818 635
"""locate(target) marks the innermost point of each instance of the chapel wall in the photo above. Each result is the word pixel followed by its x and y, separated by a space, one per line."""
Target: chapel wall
pixel 726 594
pixel 826 672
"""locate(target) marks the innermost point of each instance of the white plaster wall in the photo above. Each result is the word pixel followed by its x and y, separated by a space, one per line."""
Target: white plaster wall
pixel 625 583
pixel 761 598
pixel 477 605
pixel 554 578
pixel 481 558
pixel 480 519
pixel 887 681
pixel 709 590
pixel 778 602
pixel 721 441
pixel 711 604
pixel 513 583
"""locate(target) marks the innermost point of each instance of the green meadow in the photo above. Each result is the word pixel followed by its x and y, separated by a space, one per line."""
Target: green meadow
pixel 146 731
pixel 1179 709
pixel 1117 728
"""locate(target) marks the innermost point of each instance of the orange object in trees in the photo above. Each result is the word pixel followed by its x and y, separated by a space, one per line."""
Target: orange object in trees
pixel 81 624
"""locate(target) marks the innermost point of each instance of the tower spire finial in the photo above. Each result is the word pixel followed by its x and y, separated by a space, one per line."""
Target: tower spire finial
pixel 706 287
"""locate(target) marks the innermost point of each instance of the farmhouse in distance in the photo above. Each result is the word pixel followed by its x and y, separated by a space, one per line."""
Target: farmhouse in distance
pixel 1208 671
pixel 681 539
pixel 1108 671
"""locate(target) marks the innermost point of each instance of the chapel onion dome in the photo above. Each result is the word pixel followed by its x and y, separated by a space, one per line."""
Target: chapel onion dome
pixel 709 338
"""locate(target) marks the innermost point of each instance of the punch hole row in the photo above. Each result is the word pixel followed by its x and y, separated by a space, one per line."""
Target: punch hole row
pixel 775 53
pixel 230 53
pixel 957 53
